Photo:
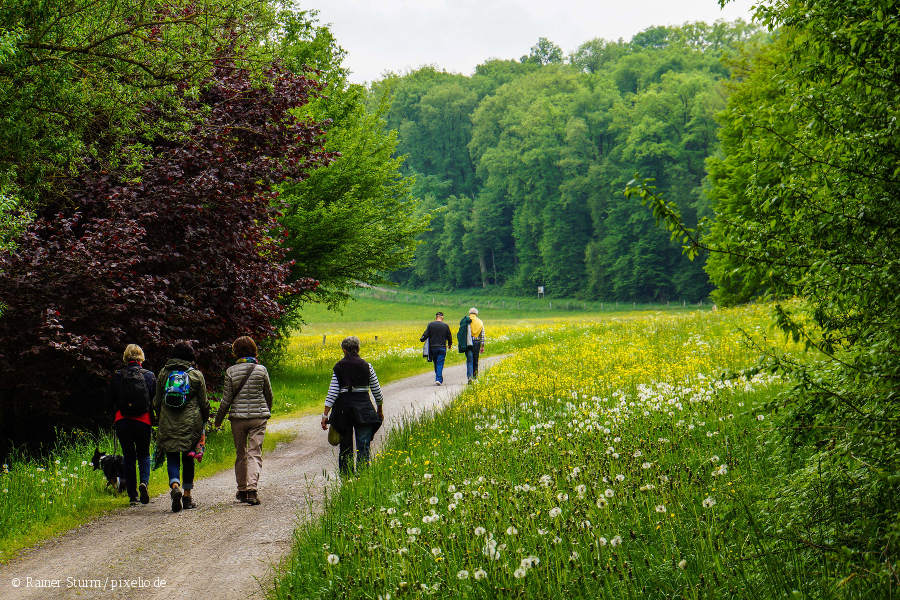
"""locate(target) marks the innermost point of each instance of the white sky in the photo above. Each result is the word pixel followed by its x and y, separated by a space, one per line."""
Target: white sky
pixel 457 35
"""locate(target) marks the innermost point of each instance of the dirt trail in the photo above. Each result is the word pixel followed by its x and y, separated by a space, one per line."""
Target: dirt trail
pixel 223 549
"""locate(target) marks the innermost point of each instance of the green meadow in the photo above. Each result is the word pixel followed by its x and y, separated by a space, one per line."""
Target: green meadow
pixel 626 458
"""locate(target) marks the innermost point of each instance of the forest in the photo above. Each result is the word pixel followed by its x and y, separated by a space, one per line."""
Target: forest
pixel 522 165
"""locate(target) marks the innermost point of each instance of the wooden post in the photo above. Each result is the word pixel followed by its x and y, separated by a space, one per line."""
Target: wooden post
pixel 376 338
pixel 323 340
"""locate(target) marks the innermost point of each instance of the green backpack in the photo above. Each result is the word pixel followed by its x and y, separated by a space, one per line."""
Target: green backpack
pixel 178 389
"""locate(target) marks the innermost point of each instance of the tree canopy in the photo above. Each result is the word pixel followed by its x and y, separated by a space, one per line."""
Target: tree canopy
pixel 523 163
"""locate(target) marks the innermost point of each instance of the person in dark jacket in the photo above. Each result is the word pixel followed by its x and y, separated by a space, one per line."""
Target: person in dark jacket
pixel 131 393
pixel 183 410
pixel 351 409
pixel 247 400
pixel 440 339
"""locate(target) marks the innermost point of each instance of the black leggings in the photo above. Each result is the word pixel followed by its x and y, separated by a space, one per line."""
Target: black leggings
pixel 134 437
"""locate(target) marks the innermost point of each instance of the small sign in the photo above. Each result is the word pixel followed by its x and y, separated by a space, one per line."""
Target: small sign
pixel 540 291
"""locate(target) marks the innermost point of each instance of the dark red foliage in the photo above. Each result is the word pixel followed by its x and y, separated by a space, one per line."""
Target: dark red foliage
pixel 191 251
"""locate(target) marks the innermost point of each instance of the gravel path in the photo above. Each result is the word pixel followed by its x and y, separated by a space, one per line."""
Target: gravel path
pixel 223 549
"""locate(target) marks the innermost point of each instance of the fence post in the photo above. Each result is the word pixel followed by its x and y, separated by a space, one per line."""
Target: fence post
pixel 323 340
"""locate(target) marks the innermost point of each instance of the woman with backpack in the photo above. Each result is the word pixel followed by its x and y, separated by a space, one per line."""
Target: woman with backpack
pixel 247 400
pixel 183 410
pixel 131 391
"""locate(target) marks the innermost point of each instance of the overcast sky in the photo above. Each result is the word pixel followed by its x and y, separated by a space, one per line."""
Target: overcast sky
pixel 456 35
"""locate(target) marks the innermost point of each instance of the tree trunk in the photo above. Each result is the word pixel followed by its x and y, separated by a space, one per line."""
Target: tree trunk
pixel 483 265
pixel 494 264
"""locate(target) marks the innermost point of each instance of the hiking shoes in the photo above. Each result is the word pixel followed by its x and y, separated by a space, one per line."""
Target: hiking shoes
pixel 438 383
pixel 241 496
pixel 176 494
pixel 132 502
pixel 252 498
pixel 187 503
pixel 142 490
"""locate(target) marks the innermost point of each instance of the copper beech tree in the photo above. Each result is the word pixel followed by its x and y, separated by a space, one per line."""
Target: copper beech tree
pixel 189 247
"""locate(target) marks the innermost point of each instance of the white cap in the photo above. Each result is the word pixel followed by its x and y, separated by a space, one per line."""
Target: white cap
pixel 473 311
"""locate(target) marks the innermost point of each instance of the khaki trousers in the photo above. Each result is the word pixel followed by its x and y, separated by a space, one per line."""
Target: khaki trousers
pixel 248 439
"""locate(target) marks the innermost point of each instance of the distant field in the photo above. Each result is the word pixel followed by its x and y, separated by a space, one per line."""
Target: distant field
pixel 389 324
pixel 385 305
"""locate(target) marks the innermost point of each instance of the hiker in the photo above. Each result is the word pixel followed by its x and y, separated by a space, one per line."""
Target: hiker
pixel 440 339
pixel 131 393
pixel 247 400
pixel 183 410
pixel 470 341
pixel 351 409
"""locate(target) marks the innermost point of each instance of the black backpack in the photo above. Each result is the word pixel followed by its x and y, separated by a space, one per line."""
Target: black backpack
pixel 133 397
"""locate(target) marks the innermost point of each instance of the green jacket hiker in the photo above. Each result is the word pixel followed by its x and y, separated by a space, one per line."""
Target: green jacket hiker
pixel 180 428
pixel 463 339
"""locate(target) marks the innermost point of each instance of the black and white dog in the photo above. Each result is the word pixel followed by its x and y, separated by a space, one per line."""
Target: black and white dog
pixel 112 466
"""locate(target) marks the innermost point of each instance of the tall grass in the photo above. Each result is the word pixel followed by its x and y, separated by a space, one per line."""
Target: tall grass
pixel 614 462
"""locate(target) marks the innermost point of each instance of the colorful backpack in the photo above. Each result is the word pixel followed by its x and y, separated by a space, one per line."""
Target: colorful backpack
pixel 178 389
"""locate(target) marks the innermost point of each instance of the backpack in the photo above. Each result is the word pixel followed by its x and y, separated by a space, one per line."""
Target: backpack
pixel 178 389
pixel 133 399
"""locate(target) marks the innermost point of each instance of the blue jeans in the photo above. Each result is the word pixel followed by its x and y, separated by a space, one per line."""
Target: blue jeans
pixel 363 434
pixel 472 353
pixel 438 355
pixel 172 466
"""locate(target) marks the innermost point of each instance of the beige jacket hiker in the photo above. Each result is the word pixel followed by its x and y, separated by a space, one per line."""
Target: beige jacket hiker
pixel 254 401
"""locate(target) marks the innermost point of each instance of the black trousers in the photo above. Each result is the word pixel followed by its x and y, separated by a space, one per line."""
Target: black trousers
pixel 134 438
pixel 354 417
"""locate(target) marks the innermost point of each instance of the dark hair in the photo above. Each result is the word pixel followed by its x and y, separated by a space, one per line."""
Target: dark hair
pixel 244 346
pixel 438 314
pixel 183 350
pixel 350 345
